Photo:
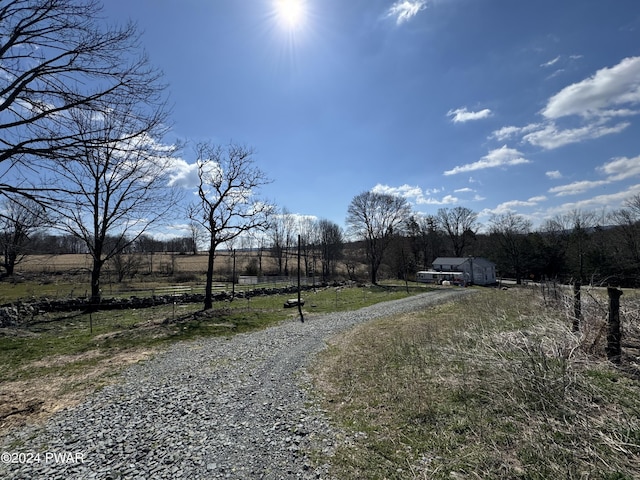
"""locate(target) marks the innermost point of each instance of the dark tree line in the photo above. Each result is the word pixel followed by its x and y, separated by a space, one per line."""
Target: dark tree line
pixel 577 246
pixel 42 243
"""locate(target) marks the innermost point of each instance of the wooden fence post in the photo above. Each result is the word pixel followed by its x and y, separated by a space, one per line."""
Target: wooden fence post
pixel 299 301
pixel 614 350
pixel 577 307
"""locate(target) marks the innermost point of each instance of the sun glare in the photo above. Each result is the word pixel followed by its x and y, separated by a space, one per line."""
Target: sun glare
pixel 291 13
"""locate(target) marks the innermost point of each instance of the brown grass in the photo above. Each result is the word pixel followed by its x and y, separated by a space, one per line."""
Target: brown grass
pixel 70 379
pixel 493 386
pixel 148 263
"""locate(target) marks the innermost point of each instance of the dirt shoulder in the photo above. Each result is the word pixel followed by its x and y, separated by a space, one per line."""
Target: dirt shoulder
pixel 35 400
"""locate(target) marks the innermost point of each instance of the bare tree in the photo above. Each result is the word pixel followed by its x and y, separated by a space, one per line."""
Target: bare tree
pixel 511 231
pixel 459 224
pixel 227 205
pixel 282 232
pixel 627 221
pixel 125 264
pixel 331 243
pixel 554 234
pixel 277 236
pixel 57 56
pixel 582 224
pixel 196 234
pixel 425 239
pixel 307 228
pixel 261 246
pixel 114 183
pixel 375 218
pixel 18 220
pixel 290 236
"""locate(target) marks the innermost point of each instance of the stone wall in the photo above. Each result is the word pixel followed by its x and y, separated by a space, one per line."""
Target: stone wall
pixel 18 313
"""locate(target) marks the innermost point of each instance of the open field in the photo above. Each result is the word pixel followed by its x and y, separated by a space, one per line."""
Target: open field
pixel 153 263
pixel 147 262
pixel 55 360
pixel 493 386
pixel 67 275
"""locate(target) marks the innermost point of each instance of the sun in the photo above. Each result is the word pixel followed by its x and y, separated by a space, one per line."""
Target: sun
pixel 291 13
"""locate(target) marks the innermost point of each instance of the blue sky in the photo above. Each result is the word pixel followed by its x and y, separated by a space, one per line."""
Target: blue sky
pixel 494 105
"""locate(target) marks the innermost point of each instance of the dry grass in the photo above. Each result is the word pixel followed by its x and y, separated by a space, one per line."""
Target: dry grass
pixel 493 386
pixel 148 263
pixel 70 378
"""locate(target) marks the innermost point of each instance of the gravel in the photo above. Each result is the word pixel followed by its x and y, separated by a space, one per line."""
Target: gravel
pixel 237 407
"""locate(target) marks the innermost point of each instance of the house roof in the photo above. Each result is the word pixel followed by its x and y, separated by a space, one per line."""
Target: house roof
pixel 449 261
pixel 483 261
pixel 460 260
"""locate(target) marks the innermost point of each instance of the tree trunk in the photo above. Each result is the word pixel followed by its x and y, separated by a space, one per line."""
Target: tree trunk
pixel 95 284
pixel 208 295
pixel 9 265
pixel 374 273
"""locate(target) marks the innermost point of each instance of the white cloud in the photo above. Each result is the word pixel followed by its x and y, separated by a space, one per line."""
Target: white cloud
pixel 577 187
pixel 554 174
pixel 532 202
pixel 511 206
pixel 609 201
pixel 415 194
pixel 621 168
pixel 446 200
pixel 405 191
pixel 608 87
pixel 610 93
pixel 461 115
pixel 550 136
pixel 405 10
pixel 295 218
pixel 500 157
pixel 615 170
pixel 183 174
pixel 550 63
pixel 463 190
pixel 506 133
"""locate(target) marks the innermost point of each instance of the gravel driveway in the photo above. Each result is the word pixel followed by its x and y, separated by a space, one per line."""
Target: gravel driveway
pixel 233 407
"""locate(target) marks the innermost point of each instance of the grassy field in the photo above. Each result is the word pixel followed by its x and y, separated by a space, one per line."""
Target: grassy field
pixel 59 276
pixel 54 360
pixel 147 262
pixel 493 386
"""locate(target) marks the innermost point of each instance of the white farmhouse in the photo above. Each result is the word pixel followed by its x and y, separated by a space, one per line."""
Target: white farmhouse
pixel 470 270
